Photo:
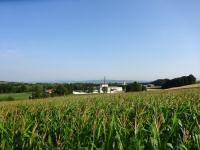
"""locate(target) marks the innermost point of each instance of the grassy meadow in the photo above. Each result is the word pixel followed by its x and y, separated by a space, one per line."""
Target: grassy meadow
pixel 14 96
pixel 145 120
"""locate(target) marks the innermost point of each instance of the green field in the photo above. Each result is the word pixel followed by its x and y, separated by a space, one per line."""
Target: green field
pixel 14 96
pixel 148 120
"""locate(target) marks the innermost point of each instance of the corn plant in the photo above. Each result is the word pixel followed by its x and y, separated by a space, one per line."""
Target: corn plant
pixel 147 120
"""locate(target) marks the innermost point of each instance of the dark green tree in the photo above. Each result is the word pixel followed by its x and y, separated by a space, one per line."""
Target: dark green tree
pixel 134 87
pixel 37 92
pixel 104 89
pixel 60 90
pixel 192 79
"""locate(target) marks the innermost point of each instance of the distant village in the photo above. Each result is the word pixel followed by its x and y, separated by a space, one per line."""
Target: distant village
pixel 103 88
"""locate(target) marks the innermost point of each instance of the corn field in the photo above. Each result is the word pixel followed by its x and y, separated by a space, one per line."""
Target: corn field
pixel 148 120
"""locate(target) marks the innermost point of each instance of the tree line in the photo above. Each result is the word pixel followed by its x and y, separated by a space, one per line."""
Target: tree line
pixel 176 82
pixel 133 87
pixel 41 90
pixel 15 87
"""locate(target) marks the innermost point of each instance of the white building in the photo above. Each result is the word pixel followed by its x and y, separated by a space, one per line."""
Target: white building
pixel 105 88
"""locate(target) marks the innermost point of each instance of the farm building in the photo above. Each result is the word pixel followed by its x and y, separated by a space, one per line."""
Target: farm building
pixel 103 88
pixel 49 91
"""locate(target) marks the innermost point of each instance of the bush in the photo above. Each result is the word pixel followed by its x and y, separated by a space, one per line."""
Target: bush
pixel 37 92
pixel 60 90
pixel 135 87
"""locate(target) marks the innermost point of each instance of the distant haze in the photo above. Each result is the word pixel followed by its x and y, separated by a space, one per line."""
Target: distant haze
pixel 62 40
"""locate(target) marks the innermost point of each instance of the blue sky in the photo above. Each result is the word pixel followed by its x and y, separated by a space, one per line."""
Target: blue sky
pixel 50 40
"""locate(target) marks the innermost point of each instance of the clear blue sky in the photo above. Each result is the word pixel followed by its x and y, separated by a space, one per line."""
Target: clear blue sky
pixel 47 40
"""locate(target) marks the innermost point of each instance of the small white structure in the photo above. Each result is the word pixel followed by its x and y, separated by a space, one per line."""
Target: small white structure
pixel 115 89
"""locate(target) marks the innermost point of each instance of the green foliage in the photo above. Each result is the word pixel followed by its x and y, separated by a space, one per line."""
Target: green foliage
pixel 144 88
pixel 135 87
pixel 38 92
pixel 60 90
pixel 104 89
pixel 176 82
pixel 15 87
pixel 158 120
pixel 160 82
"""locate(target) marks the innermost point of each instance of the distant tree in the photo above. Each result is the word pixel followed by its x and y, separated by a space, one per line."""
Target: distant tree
pixel 134 87
pixel 104 89
pixel 192 79
pixel 21 88
pixel 60 90
pixel 90 89
pixel 124 87
pixel 144 88
pixel 69 88
pixel 37 92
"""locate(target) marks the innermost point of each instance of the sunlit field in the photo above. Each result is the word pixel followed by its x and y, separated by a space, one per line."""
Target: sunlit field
pixel 145 120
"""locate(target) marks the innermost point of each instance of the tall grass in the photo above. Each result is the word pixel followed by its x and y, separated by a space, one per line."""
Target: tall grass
pixel 157 120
